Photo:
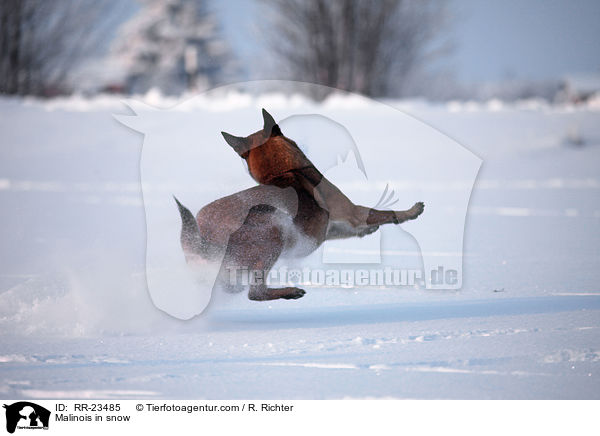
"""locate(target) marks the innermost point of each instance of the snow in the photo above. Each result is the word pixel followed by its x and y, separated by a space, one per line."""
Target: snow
pixel 76 319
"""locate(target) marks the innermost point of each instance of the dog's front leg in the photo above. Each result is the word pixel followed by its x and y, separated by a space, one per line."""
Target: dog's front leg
pixel 379 217
pixel 361 221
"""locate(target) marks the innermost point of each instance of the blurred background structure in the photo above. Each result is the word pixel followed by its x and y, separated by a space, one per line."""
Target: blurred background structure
pixel 171 45
pixel 434 49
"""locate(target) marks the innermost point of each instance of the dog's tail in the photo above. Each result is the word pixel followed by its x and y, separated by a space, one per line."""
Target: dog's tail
pixel 191 240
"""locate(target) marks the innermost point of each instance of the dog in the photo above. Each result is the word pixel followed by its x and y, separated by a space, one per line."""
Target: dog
pixel 292 211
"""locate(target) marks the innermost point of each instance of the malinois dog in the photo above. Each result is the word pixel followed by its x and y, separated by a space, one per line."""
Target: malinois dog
pixel 292 211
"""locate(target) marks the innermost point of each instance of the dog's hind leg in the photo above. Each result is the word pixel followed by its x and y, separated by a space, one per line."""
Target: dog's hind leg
pixel 254 248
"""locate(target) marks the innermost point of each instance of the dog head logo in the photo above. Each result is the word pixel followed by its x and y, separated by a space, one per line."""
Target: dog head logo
pixel 194 152
pixel 26 415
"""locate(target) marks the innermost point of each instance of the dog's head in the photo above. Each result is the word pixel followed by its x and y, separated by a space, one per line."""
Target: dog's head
pixel 268 152
pixel 243 145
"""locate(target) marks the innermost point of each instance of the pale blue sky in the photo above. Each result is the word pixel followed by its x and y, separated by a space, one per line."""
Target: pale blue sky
pixel 493 39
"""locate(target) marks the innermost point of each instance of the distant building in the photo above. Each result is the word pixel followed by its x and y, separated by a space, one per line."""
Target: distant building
pixel 579 88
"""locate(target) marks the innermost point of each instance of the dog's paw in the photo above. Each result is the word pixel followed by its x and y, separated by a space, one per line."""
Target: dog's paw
pixel 293 293
pixel 416 210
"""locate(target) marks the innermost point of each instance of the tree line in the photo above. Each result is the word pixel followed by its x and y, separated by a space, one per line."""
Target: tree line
pixel 371 47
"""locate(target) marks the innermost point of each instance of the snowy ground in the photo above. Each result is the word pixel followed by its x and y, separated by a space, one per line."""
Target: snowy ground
pixel 76 319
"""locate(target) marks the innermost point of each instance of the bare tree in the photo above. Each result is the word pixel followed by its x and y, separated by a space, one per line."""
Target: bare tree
pixel 364 46
pixel 42 42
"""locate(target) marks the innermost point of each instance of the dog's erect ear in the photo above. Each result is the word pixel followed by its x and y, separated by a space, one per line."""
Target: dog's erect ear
pixel 240 145
pixel 270 128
